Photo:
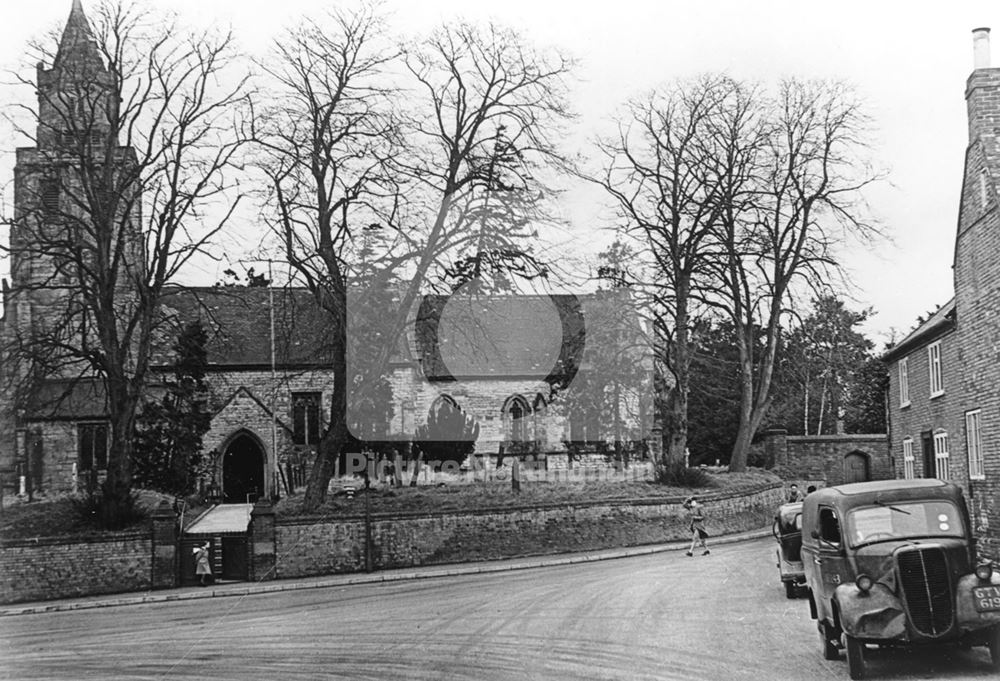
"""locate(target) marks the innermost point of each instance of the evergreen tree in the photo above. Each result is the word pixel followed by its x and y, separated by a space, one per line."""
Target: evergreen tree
pixel 167 448
pixel 449 435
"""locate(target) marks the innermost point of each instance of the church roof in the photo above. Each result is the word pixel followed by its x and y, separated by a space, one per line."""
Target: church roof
pixel 238 323
pixel 550 336
pixel 524 335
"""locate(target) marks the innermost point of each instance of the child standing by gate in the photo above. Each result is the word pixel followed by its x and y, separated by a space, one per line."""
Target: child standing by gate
pixel 696 518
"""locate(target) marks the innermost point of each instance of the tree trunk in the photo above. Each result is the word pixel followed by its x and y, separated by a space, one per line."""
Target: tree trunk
pixel 744 435
pixel 335 439
pixel 677 445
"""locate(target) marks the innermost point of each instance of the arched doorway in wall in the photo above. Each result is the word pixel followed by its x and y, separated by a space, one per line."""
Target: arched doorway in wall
pixel 856 467
pixel 242 470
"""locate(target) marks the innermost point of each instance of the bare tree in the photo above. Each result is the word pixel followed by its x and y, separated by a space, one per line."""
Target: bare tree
pixel 326 143
pixel 348 140
pixel 658 172
pixel 780 230
pixel 134 135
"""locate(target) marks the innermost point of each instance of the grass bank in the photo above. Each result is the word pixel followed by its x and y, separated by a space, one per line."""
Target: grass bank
pixel 498 494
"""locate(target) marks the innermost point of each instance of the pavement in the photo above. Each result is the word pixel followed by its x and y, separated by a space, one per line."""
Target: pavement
pixel 395 575
pixel 222 518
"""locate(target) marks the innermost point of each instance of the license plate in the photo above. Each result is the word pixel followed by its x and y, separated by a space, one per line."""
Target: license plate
pixel 987 598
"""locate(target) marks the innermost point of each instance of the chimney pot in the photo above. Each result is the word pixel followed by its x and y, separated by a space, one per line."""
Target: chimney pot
pixel 981 48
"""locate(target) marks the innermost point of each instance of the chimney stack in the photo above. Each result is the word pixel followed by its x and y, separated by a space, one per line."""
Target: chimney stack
pixel 981 48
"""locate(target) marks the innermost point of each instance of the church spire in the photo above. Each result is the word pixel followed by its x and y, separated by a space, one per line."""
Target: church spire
pixel 78 43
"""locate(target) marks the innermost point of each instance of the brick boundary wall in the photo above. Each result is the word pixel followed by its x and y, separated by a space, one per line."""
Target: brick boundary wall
pixel 64 567
pixel 820 458
pixel 306 547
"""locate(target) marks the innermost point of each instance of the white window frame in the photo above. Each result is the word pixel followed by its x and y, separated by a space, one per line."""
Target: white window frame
pixel 904 383
pixel 974 444
pixel 941 457
pixel 908 470
pixel 934 369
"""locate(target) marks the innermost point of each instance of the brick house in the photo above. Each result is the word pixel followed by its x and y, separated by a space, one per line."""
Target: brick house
pixel 944 395
pixel 269 381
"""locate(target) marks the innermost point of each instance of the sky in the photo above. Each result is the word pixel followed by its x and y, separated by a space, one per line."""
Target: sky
pixel 908 61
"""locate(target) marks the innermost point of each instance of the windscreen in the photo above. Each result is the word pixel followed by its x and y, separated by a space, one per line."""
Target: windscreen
pixel 906 520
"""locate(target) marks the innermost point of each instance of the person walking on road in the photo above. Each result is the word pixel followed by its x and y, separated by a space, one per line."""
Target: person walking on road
pixel 202 568
pixel 696 519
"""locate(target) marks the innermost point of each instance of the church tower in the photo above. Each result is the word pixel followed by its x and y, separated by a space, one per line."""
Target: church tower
pixel 71 189
pixel 52 198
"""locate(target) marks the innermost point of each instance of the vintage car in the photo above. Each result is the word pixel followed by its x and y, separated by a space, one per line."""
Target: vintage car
pixel 893 562
pixel 787 530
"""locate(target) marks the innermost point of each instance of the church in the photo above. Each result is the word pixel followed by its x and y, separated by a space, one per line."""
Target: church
pixel 268 376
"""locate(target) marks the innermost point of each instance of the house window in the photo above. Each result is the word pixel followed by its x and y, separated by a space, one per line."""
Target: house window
pixel 974 444
pixel 984 196
pixel 904 383
pixel 305 418
pixel 908 471
pixel 941 455
pixel 934 365
pixel 92 446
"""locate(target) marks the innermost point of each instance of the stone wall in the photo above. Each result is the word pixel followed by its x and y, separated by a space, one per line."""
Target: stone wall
pixel 64 567
pixel 306 547
pixel 820 459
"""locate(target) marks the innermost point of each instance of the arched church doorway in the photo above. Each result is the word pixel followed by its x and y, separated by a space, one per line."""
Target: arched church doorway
pixel 243 470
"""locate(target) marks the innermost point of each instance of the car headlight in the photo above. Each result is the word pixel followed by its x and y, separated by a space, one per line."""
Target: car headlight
pixel 984 571
pixel 864 583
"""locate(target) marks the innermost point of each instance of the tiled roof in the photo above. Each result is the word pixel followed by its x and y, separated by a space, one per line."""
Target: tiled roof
pixel 532 335
pixel 501 336
pixel 238 323
pixel 942 320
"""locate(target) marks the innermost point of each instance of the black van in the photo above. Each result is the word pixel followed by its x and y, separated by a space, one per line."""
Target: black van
pixel 893 562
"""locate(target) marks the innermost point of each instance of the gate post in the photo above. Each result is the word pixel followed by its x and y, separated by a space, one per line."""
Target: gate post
pixel 164 532
pixel 262 542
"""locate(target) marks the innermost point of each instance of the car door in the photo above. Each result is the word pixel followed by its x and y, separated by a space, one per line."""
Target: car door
pixel 830 567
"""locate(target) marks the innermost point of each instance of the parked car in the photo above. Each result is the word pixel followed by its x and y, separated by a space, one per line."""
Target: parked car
pixel 893 562
pixel 787 530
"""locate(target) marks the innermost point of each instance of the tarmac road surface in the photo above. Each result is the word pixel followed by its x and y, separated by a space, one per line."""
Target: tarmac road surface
pixel 661 616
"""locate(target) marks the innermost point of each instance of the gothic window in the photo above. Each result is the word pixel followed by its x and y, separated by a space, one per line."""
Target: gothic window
pixel 538 419
pixel 92 446
pixel 517 416
pixel 305 418
pixel 441 402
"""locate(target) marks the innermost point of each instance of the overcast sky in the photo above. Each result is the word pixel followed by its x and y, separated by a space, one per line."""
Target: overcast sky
pixel 908 60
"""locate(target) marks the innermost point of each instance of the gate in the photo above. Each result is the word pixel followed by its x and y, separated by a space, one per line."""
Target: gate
pixel 228 556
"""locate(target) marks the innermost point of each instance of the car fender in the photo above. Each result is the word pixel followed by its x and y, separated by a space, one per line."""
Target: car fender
pixel 877 614
pixel 965 605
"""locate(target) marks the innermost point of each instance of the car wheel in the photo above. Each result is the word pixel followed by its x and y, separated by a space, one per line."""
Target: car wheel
pixel 812 606
pixel 830 650
pixel 789 590
pixel 855 657
pixel 994 644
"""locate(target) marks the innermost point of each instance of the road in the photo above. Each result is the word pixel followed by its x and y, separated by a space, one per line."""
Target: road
pixel 662 616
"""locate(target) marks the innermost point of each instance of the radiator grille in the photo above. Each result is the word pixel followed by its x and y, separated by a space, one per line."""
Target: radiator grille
pixel 926 586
